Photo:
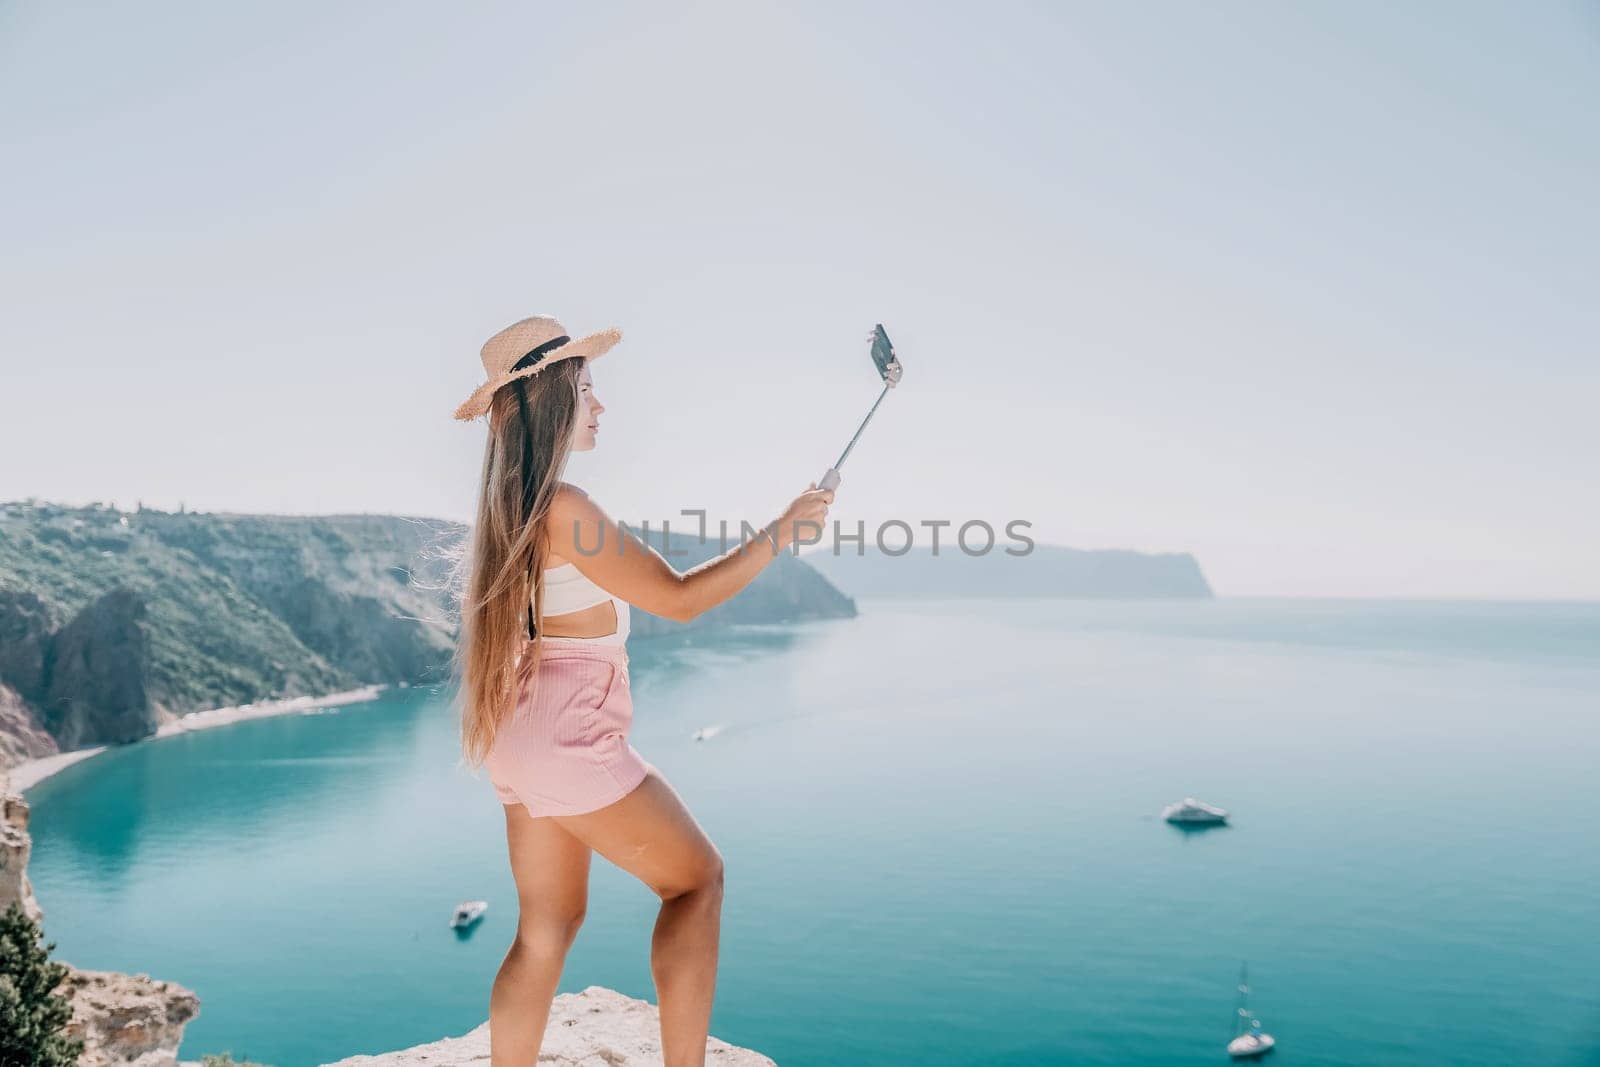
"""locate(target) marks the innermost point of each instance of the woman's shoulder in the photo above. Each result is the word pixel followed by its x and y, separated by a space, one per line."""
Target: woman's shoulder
pixel 568 496
pixel 571 503
pixel 564 506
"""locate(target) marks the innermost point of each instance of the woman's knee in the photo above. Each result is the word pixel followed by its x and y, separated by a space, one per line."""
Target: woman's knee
pixel 705 877
pixel 547 934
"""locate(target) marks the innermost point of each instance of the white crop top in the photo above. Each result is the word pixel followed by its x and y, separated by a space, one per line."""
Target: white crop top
pixel 566 588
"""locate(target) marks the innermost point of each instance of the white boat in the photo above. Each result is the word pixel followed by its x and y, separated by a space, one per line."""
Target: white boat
pixel 1249 1046
pixel 706 733
pixel 1249 1040
pixel 467 913
pixel 1190 810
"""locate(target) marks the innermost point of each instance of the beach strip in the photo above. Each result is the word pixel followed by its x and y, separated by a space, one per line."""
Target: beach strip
pixel 29 773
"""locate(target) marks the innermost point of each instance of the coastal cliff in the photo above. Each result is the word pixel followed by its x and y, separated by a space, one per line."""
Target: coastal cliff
pixel 15 846
pixel 115 625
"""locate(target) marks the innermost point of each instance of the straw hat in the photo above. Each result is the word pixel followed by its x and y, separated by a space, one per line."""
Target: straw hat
pixel 528 347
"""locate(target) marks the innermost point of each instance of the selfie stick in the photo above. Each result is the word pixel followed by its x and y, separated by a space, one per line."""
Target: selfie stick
pixel 889 367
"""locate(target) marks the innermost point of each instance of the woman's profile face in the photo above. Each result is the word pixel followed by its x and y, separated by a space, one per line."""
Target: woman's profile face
pixel 589 409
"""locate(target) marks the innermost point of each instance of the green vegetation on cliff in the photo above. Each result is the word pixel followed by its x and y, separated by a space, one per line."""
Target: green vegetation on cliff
pixel 112 621
pixel 33 1016
pixel 237 608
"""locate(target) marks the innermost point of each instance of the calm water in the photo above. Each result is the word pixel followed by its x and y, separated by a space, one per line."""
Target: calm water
pixel 939 823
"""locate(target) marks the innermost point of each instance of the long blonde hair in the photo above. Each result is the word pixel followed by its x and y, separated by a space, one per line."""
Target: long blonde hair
pixel 530 440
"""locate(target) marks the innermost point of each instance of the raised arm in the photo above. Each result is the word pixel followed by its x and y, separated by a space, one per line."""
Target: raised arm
pixel 630 569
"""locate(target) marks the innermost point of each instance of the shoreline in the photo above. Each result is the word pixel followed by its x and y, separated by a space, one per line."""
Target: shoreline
pixel 29 773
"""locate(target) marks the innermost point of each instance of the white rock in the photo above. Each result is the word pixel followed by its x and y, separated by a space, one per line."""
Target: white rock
pixel 598 1027
pixel 127 1019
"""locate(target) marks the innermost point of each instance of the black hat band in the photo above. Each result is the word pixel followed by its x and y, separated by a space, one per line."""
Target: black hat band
pixel 539 353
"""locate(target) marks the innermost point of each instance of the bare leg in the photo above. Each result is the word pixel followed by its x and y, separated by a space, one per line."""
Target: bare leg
pixel 551 868
pixel 650 834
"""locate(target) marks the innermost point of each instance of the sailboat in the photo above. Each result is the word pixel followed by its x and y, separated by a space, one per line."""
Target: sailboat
pixel 1249 1040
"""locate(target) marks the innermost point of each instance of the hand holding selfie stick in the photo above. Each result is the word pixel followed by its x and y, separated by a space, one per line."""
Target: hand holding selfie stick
pixel 889 368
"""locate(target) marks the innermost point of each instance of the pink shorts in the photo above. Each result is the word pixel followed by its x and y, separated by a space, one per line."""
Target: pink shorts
pixel 563 749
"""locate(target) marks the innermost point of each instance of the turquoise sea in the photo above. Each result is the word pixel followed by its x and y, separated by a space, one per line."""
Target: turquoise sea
pixel 940 825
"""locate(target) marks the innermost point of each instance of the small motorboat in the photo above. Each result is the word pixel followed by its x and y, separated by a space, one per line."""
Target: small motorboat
pixel 1249 1040
pixel 706 733
pixel 1190 810
pixel 467 913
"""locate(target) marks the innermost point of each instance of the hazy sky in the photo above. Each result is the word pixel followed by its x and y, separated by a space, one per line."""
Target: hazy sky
pixel 1305 289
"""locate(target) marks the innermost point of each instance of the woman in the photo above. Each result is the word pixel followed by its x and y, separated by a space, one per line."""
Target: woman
pixel 544 690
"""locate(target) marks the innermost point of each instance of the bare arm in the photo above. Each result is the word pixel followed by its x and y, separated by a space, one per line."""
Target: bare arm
pixel 630 569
